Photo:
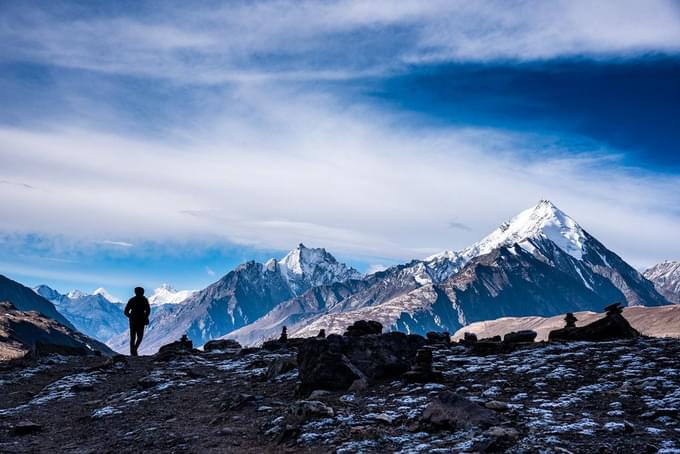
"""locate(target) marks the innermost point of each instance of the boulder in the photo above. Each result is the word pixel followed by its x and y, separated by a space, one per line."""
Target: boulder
pixel 454 411
pixel 336 362
pixel 303 410
pixel 484 347
pixel 520 336
pixel 613 326
pixel 434 337
pixel 422 372
pixel 281 366
pixel 364 328
pixel 221 344
pixel 26 427
pixel 172 350
pixel 469 338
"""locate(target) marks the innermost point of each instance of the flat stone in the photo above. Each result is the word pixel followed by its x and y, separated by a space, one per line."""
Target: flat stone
pixel 496 405
pixel 455 411
pixel 26 427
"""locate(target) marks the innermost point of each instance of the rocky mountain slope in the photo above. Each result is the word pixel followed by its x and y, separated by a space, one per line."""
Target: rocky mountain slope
pixel 661 321
pixel 93 315
pixel 541 262
pixel 666 279
pixel 25 299
pixel 581 397
pixel 242 296
pixel 23 332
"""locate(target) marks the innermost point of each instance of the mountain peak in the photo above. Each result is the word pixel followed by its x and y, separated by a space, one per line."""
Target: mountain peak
pixel 305 267
pixel 544 220
pixel 75 294
pixel 302 259
pixel 166 294
pixel 106 295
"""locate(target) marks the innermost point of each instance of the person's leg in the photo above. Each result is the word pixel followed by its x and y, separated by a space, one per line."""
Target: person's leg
pixel 140 336
pixel 133 350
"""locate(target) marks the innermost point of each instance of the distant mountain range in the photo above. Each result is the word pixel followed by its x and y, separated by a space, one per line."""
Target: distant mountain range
pixel 91 314
pixel 539 263
pixel 244 295
pixel 666 279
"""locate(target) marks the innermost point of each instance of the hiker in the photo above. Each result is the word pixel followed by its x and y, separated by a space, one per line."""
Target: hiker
pixel 137 310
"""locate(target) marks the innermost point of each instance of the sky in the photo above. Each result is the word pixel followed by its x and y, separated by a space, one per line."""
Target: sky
pixel 151 142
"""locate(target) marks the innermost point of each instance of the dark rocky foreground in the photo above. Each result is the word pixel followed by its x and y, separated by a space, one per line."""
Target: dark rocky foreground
pixel 579 397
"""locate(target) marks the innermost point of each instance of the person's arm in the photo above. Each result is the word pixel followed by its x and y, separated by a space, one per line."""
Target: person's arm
pixel 128 308
pixel 147 307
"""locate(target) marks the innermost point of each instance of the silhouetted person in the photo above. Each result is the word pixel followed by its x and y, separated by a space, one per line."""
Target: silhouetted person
pixel 137 310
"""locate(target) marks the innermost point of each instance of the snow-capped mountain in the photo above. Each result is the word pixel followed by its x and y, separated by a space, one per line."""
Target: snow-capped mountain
pixel 94 315
pixel 166 294
pixel 242 296
pixel 666 279
pixel 105 293
pixel 540 262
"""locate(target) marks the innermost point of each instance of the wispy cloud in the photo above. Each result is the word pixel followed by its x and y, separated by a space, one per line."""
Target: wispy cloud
pixel 331 40
pixel 360 182
pixel 13 183
pixel 124 244
pixel 458 226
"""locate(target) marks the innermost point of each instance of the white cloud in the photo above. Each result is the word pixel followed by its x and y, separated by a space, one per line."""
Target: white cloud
pixel 115 243
pixel 331 40
pixel 300 167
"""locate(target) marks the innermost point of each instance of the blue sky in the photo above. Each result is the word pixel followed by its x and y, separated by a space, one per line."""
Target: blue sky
pixel 144 142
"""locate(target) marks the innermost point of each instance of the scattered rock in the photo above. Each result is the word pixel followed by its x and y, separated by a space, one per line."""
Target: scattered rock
pixel 422 372
pixel 438 338
pixel 319 393
pixel 496 405
pixel 503 432
pixel 455 411
pixel 281 366
pixel 176 349
pixel 469 338
pixel 26 427
pixel 364 328
pixel 148 381
pixel 520 336
pixel 303 410
pixel 238 402
pixel 82 387
pixel 221 344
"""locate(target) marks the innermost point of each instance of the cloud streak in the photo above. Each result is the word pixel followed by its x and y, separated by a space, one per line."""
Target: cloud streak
pixel 310 168
pixel 282 40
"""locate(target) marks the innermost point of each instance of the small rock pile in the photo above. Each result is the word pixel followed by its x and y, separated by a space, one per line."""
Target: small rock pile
pixel 612 326
pixel 422 371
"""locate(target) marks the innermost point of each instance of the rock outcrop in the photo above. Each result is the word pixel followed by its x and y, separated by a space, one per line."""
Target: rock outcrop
pixel 336 362
pixel 30 332
pixel 612 326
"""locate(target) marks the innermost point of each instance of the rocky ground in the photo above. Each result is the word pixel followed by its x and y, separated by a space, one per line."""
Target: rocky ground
pixel 620 396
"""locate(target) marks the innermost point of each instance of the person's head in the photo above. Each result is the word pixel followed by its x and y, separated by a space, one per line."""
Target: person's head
pixel 139 291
